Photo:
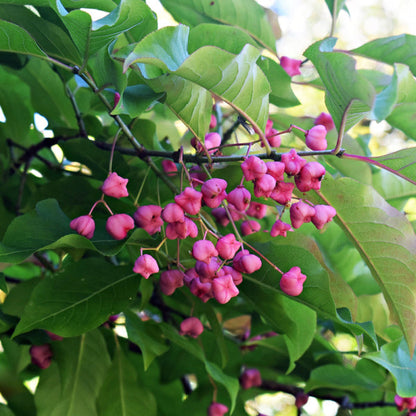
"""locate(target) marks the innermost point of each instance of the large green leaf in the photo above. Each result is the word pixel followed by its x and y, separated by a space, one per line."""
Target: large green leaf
pixel 80 298
pixel 386 241
pixel 395 357
pixel 245 14
pixel 121 393
pixel 235 78
pixel 345 87
pixel 393 49
pixel 50 38
pixel 83 363
pixel 91 36
pixel 147 335
pixel 15 39
pixel 296 321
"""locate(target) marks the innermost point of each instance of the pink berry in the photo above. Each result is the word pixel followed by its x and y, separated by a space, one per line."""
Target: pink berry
pixel 190 275
pixel 212 142
pixel 169 167
pixel 300 212
pixel 148 217
pixel 273 137
pixel 291 66
pixel 293 162
pixel 250 378
pixel 204 250
pixel 115 186
pixel 323 215
pixel 282 193
pixel 245 262
pixel 83 225
pixel 250 227
pixel 301 399
pixel 207 271
pixel 325 120
pixel 276 169
pixel 217 409
pixel 119 225
pixel 220 215
pixel 213 122
pixel 269 125
pixel 310 177
pixel 256 210
pixel 145 265
pixel 253 168
pixel 202 290
pixel 170 280
pixel 224 289
pixel 292 282
pixel 192 327
pixel 173 213
pixel 237 276
pixel 227 246
pixel 213 192
pixel 280 228
pixel 117 97
pixel 315 138
pixel 235 213
pixel 190 200
pixel 263 187
pixel 240 197
pixel 41 355
pixel 403 403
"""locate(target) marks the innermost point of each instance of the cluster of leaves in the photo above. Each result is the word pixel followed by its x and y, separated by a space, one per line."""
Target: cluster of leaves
pixel 56 61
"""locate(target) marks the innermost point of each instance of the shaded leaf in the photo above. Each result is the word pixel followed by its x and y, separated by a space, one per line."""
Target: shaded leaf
pixel 83 363
pixel 121 393
pixel 393 49
pixel 386 100
pixel 395 357
pixel 78 299
pixel 147 335
pixel 386 242
pixel 245 14
pixel 345 87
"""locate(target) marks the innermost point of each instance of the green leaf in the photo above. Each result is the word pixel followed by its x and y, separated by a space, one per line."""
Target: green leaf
pixel 49 37
pixel 395 357
pixel 339 4
pixel 296 321
pixel 401 162
pixel 339 378
pixel 236 79
pixel 83 363
pixel 3 284
pixel 15 39
pixel 393 188
pixel 386 100
pixel 281 94
pixel 345 87
pixel 48 94
pixel 5 410
pixel 245 14
pixel 393 49
pixel 386 241
pixel 80 298
pixel 147 335
pixel 121 394
pixel 48 390
pixel 229 38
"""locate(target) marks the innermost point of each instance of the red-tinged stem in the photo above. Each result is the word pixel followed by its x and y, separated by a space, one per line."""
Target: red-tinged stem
pixel 375 163
pixel 102 202
pixel 263 257
pixel 341 131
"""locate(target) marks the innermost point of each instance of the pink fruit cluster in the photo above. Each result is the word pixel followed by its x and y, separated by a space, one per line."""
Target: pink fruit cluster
pixel 404 403
pixel 117 225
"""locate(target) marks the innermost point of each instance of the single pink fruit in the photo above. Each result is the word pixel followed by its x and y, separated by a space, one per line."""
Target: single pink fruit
pixel 170 280
pixel 169 167
pixel 217 409
pixel 282 193
pixel 115 186
pixel 280 228
pixel 253 168
pixel 204 250
pixel 41 355
pixel 293 162
pixel 213 192
pixel 213 122
pixel 264 186
pixel 291 66
pixel 301 399
pixel 325 120
pixel 119 225
pixel 212 142
pixel 173 213
pixel 315 138
pixel 276 169
pixel 310 177
pixel 149 218
pixel 202 290
pixel 227 246
pixel 250 227
pixel 273 137
pixel 145 265
pixel 192 327
pixel 300 212
pixel 220 215
pixel 292 282
pixel 190 200
pixel 83 225
pixel 224 288
pixel 240 197
pixel 245 262
pixel 256 210
pixel 323 215
pixel 250 378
